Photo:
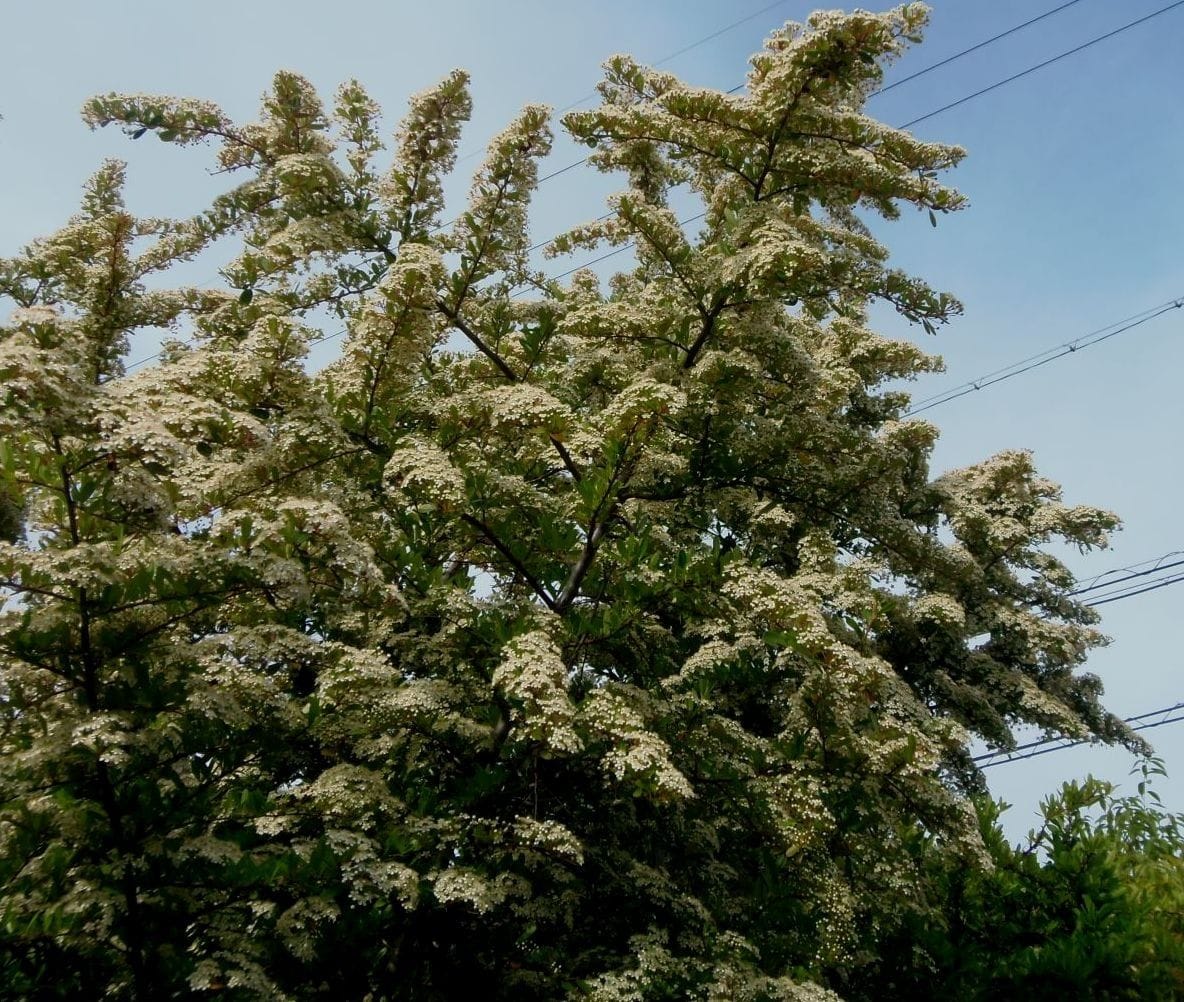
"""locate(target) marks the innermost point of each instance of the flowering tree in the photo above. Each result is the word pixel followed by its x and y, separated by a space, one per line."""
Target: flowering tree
pixel 596 641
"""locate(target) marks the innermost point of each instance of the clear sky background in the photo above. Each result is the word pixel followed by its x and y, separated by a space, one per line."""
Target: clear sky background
pixel 1075 219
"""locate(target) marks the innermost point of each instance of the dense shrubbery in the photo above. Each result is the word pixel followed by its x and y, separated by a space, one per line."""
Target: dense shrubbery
pixel 1091 906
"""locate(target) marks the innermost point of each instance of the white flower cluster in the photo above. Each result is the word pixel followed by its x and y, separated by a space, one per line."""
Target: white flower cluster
pixel 533 678
pixel 642 399
pixel 942 609
pixel 425 151
pixel 422 469
pixel 636 755
pixel 779 603
pixel 522 405
pixel 369 877
pixel 41 381
pixel 350 795
pixel 300 926
pixel 548 837
pixel 464 885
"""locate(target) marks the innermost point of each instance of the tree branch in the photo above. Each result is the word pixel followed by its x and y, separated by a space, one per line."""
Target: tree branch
pixel 459 323
pixel 700 342
pixel 509 554
pixel 571 587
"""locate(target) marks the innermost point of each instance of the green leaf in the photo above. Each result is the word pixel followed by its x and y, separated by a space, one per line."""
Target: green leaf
pixel 781 638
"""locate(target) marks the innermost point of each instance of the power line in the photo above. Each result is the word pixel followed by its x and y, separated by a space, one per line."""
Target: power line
pixel 1129 573
pixel 1127 582
pixel 662 62
pixel 914 121
pixel 1041 742
pixel 1141 721
pixel 707 38
pixel 960 101
pixel 1043 358
pixel 1153 586
pixel 949 59
pixel 1122 587
pixel 1045 746
pixel 974 48
pixel 1046 62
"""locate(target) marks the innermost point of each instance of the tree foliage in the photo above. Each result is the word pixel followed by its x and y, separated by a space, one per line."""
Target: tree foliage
pixel 592 640
pixel 1092 907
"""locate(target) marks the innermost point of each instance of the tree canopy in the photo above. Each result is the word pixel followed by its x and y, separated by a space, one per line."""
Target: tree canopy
pixel 591 639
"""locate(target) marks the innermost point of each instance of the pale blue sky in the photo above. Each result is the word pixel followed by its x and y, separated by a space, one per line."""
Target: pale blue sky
pixel 1075 217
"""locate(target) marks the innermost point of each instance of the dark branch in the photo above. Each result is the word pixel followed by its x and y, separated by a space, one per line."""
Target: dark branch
pixel 509 554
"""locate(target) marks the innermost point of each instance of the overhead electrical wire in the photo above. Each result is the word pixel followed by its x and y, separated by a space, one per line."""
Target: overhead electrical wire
pixel 1047 62
pixel 1161 563
pixel 976 47
pixel 670 58
pixel 1043 358
pixel 1113 589
pixel 1155 585
pixel 1133 583
pixel 1045 746
pixel 1155 574
pixel 897 83
pixel 694 45
pixel 959 55
pixel 937 111
pixel 1138 579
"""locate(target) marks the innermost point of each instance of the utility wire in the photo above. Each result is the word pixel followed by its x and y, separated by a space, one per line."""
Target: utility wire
pixel 662 62
pixel 1141 721
pixel 1129 573
pixel 974 48
pixel 949 59
pixel 1120 588
pixel 694 45
pixel 1047 62
pixel 1153 586
pixel 1046 746
pixel 1041 746
pixel 1041 742
pixel 938 111
pixel 1124 588
pixel 963 100
pixel 1043 358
